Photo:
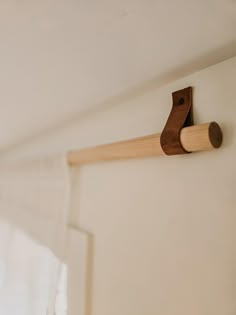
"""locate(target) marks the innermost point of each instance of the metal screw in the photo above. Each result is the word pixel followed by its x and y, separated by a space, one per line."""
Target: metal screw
pixel 181 101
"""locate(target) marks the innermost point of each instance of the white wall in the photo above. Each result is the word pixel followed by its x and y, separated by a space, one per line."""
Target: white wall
pixel 163 229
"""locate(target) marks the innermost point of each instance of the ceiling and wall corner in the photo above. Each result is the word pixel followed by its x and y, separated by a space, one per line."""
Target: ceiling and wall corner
pixel 161 231
pixel 61 58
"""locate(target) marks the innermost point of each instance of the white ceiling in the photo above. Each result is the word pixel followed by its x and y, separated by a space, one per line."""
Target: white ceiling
pixel 62 57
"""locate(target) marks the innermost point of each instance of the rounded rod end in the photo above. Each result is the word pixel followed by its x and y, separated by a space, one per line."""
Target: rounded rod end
pixel 215 134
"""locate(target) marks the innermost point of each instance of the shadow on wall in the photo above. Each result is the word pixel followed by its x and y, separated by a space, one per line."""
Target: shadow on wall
pixel 75 223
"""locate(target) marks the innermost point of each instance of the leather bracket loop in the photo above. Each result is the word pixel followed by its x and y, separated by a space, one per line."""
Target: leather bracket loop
pixel 180 116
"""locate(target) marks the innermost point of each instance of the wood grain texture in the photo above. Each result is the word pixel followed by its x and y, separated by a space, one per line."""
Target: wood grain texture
pixel 195 138
pixel 201 137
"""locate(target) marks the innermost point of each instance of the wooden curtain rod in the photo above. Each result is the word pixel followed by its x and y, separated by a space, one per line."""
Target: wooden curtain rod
pixel 194 138
pixel 179 136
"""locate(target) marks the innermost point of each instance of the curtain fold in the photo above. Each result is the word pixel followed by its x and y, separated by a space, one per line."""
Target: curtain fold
pixel 34 211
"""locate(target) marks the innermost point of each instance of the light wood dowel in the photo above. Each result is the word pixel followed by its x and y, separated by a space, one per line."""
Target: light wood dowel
pixel 195 138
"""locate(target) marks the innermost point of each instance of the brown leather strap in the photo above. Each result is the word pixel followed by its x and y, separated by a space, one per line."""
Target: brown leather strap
pixel 180 116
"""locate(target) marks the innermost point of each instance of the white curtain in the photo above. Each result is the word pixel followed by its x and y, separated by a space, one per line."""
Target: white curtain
pixel 34 209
